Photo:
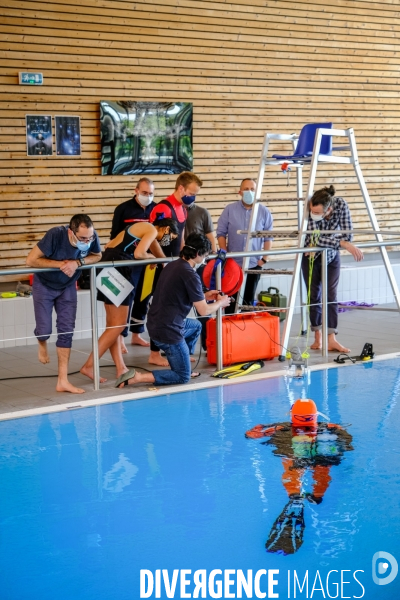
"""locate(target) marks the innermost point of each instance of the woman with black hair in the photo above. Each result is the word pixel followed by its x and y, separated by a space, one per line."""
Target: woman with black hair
pixel 326 211
pixel 138 241
pixel 179 288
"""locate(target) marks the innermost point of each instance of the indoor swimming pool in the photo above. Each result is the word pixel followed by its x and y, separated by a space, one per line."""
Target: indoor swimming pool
pixel 166 497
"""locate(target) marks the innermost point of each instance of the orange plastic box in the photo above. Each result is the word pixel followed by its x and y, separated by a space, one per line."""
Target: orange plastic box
pixel 248 336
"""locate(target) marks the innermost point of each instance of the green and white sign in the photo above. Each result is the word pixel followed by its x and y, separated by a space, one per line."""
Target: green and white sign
pixel 113 285
pixel 30 78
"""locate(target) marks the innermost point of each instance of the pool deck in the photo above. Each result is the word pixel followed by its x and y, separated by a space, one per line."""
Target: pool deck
pixel 27 387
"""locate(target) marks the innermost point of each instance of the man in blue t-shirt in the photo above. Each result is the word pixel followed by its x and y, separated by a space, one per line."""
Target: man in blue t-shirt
pixel 64 248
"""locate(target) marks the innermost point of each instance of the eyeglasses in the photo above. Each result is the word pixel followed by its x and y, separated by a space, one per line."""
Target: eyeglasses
pixel 83 239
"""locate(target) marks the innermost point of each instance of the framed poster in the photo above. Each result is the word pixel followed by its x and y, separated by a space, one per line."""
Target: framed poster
pixel 68 135
pixel 39 138
pixel 146 137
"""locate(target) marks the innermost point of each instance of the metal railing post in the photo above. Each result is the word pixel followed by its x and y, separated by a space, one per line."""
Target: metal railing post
pixel 324 282
pixel 220 364
pixel 95 329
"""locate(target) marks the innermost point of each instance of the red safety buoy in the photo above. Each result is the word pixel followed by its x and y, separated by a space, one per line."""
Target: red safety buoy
pixel 231 279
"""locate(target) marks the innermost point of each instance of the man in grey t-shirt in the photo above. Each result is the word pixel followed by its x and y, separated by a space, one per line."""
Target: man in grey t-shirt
pixel 199 221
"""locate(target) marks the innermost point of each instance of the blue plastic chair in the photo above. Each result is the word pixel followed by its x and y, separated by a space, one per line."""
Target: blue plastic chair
pixel 305 143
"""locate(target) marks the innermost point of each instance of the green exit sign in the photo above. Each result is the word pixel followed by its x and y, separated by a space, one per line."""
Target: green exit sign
pixel 31 78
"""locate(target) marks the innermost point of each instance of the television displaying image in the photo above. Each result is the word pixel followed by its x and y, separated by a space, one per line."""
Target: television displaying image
pixel 39 139
pixel 146 137
pixel 68 135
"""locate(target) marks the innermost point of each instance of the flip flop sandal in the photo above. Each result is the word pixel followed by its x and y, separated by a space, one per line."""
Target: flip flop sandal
pixel 125 377
pixel 194 375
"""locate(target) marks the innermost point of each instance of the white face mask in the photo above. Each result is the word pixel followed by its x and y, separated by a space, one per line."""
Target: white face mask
pixel 145 200
pixel 198 265
pixel 316 217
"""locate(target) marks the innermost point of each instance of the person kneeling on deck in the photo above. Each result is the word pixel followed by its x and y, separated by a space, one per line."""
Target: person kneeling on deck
pixel 63 248
pixel 179 288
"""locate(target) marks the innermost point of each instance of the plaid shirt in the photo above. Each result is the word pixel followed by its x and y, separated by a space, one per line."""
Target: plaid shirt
pixel 338 219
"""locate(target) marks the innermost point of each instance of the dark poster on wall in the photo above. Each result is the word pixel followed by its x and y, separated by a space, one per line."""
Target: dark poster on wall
pixel 146 137
pixel 39 139
pixel 68 135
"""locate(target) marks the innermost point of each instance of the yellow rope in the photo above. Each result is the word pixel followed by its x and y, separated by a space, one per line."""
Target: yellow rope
pixel 314 236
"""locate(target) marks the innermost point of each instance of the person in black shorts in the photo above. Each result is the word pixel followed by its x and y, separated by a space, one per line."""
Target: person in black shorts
pixel 139 241
pixel 135 210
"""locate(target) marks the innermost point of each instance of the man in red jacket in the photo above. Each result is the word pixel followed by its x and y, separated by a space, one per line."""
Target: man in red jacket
pixel 187 186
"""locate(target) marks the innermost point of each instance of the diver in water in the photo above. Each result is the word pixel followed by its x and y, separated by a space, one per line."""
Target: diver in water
pixel 304 445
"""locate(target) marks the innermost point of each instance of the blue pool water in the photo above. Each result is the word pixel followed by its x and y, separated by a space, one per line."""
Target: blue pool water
pixel 91 497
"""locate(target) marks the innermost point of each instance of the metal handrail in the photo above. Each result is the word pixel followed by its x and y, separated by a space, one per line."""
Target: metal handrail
pixel 124 263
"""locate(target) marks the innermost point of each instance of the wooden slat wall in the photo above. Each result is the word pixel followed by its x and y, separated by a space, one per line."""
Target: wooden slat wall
pixel 247 66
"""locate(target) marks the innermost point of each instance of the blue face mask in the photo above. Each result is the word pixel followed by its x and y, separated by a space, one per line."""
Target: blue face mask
pixel 248 197
pixel 188 200
pixel 83 246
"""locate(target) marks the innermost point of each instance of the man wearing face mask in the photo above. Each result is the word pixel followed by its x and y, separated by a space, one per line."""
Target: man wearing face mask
pixel 64 248
pixel 187 186
pixel 236 216
pixel 135 210
pixel 326 212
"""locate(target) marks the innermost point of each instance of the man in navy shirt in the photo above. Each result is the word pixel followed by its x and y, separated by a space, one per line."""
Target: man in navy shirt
pixel 136 209
pixel 63 248
pixel 178 289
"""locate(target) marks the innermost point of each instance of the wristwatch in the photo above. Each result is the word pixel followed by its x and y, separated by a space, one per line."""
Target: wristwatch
pixel 81 261
pixel 263 260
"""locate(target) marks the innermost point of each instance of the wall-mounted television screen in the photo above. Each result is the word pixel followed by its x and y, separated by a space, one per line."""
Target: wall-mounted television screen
pixel 146 137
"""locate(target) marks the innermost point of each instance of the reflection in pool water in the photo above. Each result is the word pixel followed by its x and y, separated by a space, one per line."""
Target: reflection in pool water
pixel 303 449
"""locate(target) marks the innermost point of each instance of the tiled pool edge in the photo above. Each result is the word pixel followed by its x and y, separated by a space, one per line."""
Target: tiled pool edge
pixel 165 392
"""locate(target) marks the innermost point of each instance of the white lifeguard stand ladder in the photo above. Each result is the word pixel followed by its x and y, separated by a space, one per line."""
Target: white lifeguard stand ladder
pixel 297 162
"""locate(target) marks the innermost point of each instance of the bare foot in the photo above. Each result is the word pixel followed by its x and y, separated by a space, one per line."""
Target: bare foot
pixel 119 373
pixel 89 373
pixel 192 359
pixel 137 340
pixel 317 345
pixel 138 378
pixel 43 354
pixel 124 349
pixel 134 379
pixel 334 346
pixel 155 358
pixel 66 386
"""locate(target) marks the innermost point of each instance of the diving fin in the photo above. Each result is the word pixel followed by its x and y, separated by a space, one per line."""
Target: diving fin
pixel 148 282
pixel 239 369
pixel 286 534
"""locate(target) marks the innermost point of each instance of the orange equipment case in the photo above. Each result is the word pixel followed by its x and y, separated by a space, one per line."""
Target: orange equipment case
pixel 247 336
